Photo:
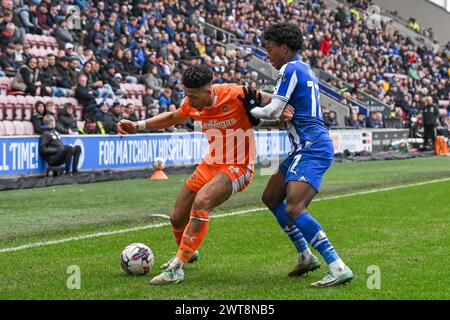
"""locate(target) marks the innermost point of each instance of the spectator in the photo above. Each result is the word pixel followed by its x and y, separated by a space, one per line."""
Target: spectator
pixel 54 79
pixel 165 99
pixel 68 120
pixel 64 77
pixel 91 126
pixel 128 112
pixel 326 44
pixel 54 152
pixel 374 121
pixel 27 79
pixel 352 121
pixel 85 96
pixel 105 118
pixel 116 114
pixel 148 101
pixel 43 18
pixel 153 79
pixel 38 117
pixel 63 34
pixel 8 61
pixel 430 114
pixel 108 78
pixel 330 120
pixel 362 120
pixel 28 17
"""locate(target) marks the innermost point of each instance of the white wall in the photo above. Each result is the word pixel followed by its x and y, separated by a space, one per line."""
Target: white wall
pixel 426 13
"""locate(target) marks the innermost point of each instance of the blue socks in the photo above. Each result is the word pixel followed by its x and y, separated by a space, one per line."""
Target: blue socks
pixel 293 232
pixel 314 234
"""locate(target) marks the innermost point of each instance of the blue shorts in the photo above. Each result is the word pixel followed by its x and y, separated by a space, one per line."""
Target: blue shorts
pixel 309 164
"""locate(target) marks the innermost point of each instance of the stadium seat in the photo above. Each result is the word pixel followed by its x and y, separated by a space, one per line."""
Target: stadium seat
pixel 19 128
pixel 29 107
pixel 59 102
pixel 2 108
pixel 2 129
pixel 45 99
pixel 9 128
pixel 143 112
pixel 31 39
pixel 4 85
pixel 29 129
pixel 79 112
pixel 50 42
pixel 20 107
pixel 10 109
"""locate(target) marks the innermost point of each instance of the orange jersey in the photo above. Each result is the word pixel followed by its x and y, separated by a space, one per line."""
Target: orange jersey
pixel 230 135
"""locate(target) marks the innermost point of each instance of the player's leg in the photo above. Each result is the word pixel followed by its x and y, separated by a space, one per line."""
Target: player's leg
pixel 183 205
pixel 179 218
pixel 212 194
pixel 274 198
pixel 304 179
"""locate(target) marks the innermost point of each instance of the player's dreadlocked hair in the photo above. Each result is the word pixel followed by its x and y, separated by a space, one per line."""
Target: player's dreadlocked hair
pixel 197 76
pixel 285 33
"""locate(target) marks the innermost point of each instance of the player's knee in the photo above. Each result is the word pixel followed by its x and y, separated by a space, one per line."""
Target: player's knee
pixel 178 219
pixel 294 210
pixel 268 200
pixel 201 202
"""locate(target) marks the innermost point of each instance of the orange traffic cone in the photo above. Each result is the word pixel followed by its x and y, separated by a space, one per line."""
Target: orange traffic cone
pixel 158 175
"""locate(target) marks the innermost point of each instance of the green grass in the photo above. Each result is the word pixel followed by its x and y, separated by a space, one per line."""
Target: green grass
pixel 406 232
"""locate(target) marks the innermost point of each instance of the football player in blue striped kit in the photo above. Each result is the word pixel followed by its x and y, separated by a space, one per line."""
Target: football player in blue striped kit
pixel 289 191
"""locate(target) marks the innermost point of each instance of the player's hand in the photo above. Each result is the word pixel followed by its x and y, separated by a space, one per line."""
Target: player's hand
pixel 287 114
pixel 126 126
pixel 251 99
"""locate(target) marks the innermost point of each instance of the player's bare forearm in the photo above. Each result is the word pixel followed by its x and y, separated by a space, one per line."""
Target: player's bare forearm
pixel 161 121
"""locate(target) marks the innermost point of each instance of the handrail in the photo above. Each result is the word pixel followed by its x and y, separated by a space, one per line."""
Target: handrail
pixel 369 99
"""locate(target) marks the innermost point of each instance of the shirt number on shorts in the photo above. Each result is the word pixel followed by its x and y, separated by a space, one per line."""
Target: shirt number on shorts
pixel 296 161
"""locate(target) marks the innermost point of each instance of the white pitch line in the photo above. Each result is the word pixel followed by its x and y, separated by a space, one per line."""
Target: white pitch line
pixel 224 215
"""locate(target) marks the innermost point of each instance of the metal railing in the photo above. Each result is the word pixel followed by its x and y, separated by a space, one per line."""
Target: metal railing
pixel 370 101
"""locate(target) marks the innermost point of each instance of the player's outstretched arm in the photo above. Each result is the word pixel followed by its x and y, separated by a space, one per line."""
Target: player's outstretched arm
pixel 161 121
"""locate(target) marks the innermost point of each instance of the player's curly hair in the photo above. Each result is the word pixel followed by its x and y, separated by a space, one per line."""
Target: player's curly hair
pixel 285 33
pixel 197 76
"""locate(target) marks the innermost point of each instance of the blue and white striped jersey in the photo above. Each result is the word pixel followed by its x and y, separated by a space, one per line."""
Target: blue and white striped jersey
pixel 298 86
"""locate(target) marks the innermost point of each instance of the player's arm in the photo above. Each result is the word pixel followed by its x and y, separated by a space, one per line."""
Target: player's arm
pixel 266 98
pixel 271 111
pixel 286 116
pixel 161 121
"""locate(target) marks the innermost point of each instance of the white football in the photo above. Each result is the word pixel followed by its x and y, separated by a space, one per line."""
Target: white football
pixel 158 163
pixel 137 259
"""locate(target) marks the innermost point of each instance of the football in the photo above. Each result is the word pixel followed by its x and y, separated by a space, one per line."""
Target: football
pixel 137 259
pixel 159 163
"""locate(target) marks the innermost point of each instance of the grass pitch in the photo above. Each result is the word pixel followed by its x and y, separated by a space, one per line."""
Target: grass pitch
pixel 405 232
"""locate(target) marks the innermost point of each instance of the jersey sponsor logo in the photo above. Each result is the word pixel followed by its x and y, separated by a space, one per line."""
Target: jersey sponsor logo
pixel 194 176
pixel 281 77
pixel 214 124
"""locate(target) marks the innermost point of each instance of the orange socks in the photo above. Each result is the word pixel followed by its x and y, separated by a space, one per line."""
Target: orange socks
pixel 178 234
pixel 193 235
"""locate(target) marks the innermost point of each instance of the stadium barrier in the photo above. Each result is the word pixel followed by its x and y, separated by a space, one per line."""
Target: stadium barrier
pixel 19 155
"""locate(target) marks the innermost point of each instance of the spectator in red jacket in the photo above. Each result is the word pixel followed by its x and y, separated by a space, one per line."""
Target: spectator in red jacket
pixel 326 44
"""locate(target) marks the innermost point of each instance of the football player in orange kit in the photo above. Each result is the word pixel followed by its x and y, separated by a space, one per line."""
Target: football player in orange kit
pixel 227 168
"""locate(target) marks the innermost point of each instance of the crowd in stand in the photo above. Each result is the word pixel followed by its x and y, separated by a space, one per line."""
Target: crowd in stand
pixel 379 61
pixel 152 42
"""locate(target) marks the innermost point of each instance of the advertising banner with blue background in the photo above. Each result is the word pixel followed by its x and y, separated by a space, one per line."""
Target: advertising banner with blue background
pixel 20 155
